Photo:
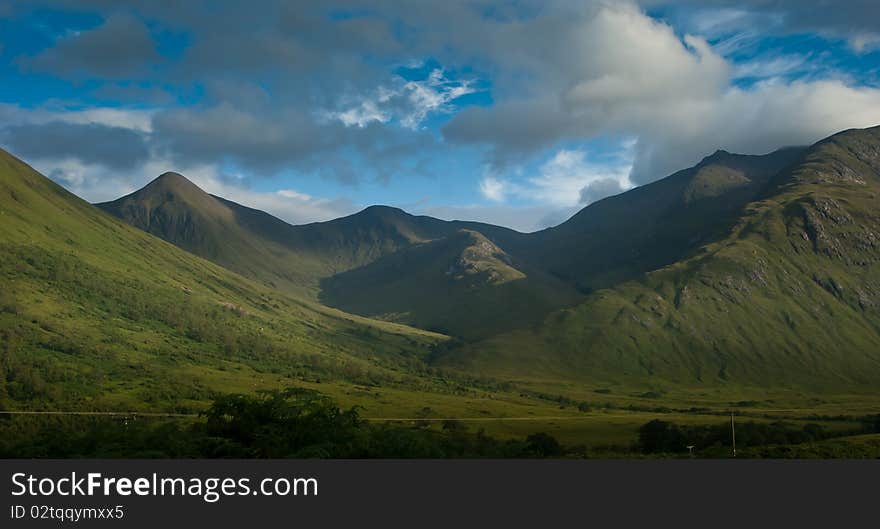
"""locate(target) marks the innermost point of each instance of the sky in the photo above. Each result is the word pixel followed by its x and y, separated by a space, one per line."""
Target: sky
pixel 517 113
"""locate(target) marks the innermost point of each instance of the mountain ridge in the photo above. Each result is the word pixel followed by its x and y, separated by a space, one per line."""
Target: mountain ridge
pixel 790 297
pixel 316 259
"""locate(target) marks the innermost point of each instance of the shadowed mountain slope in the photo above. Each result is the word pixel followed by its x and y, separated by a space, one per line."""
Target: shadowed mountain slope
pixel 462 284
pixel 789 297
pixel 623 236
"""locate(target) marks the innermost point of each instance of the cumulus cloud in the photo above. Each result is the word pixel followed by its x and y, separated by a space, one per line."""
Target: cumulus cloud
pixel 104 153
pixel 565 180
pixel 121 46
pixel 307 87
pixel 675 95
pixel 754 120
pixel 115 147
pixel 599 189
pixel 642 65
pixel 493 189
pixel 408 101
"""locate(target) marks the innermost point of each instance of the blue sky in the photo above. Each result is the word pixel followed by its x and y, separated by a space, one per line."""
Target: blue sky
pixel 516 113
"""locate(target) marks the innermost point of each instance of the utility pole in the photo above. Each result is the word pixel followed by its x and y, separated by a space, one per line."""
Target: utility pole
pixel 732 433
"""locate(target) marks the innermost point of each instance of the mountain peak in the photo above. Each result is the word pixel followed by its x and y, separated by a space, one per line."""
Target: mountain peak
pixel 171 176
pixel 174 187
pixel 173 208
pixel 718 156
pixel 378 209
pixel 171 180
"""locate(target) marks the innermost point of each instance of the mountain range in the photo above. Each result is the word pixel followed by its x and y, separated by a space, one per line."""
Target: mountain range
pixel 742 271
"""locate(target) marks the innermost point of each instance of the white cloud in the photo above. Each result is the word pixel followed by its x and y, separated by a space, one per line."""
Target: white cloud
pixel 865 42
pixel 432 95
pixel 407 102
pixel 773 67
pixel 291 193
pixel 562 179
pixel 493 189
pixel 135 119
pixel 567 179
pixel 361 115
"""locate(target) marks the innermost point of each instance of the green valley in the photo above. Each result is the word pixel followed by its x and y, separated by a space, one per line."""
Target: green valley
pixel 745 283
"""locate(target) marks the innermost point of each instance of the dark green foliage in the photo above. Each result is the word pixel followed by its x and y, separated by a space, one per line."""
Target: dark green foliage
pixel 543 445
pixel 293 423
pixel 661 436
pixel 658 436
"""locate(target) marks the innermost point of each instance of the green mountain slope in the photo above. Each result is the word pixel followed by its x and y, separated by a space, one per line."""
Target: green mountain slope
pixel 605 243
pixel 96 314
pixel 247 241
pixel 265 248
pixel 789 297
pixel 462 284
pixel 352 259
pixel 352 263
pixel 621 237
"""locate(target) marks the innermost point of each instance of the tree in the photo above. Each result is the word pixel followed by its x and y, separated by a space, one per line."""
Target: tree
pixel 661 436
pixel 543 445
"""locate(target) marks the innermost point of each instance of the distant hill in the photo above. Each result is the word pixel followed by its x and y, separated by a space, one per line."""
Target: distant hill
pixel 787 296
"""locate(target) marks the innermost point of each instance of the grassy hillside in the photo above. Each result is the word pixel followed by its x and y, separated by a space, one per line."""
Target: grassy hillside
pixel 651 226
pixel 96 314
pixel 789 298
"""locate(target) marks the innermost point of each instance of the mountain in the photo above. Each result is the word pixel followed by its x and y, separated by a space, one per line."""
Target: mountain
pixel 349 259
pixel 788 296
pixel 674 272
pixel 263 247
pixel 462 284
pixel 95 314
pixel 623 236
pixel 348 262
pixel 241 239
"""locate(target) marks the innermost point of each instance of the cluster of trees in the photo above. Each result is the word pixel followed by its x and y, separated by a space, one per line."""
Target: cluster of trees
pixel 658 436
pixel 294 423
